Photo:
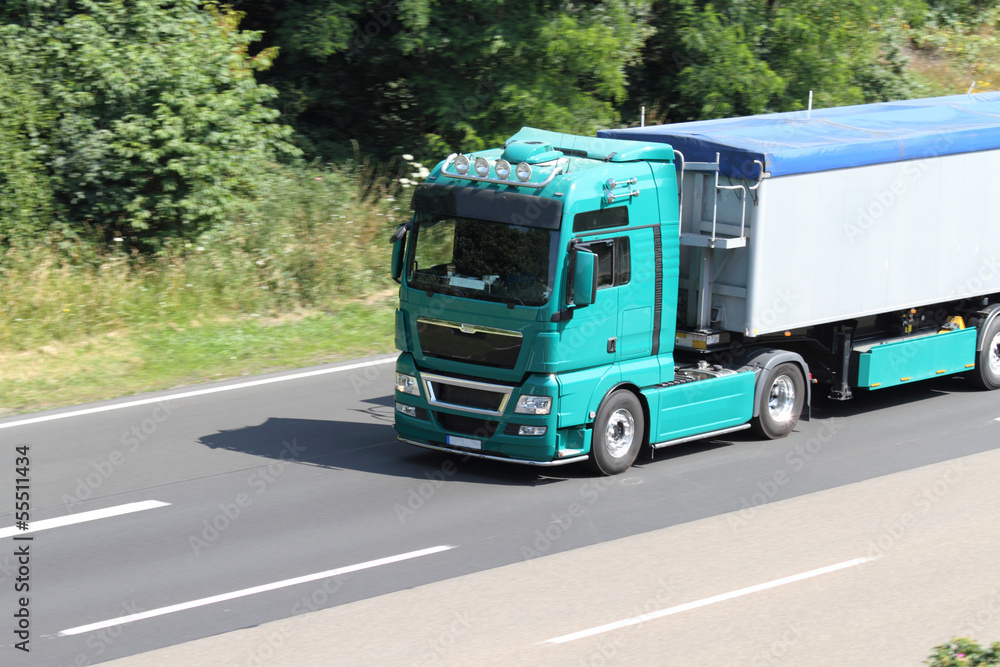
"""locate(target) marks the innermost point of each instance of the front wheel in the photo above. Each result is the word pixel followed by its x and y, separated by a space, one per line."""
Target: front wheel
pixel 987 372
pixel 619 428
pixel 780 402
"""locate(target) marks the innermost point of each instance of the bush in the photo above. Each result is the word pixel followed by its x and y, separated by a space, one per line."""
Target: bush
pixel 314 238
pixel 142 118
pixel 962 652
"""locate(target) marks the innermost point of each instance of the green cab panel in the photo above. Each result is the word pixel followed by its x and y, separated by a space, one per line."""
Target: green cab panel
pixel 903 361
pixel 690 408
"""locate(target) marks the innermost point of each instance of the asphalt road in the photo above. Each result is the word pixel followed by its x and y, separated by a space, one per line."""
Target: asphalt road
pixel 281 498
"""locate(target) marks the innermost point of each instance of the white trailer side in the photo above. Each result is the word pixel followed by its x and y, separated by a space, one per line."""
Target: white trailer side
pixel 849 212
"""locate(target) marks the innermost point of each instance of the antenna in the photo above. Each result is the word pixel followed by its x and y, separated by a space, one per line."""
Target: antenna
pixel 969 92
pixel 642 121
pixel 809 114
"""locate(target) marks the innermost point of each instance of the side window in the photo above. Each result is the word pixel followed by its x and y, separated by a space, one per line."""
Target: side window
pixel 601 219
pixel 623 261
pixel 613 261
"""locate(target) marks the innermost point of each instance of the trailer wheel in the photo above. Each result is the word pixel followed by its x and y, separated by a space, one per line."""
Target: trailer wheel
pixel 987 372
pixel 619 428
pixel 780 402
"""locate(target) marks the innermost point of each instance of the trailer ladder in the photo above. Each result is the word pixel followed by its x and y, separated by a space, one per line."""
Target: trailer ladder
pixel 709 235
pixel 714 239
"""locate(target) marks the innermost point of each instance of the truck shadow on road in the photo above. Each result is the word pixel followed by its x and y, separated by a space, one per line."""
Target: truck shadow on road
pixel 369 444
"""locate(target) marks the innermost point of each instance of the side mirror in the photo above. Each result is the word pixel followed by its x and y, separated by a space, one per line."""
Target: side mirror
pixel 585 278
pixel 399 233
pixel 398 253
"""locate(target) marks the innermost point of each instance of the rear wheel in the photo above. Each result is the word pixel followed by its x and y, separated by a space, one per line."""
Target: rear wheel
pixel 619 428
pixel 987 372
pixel 780 402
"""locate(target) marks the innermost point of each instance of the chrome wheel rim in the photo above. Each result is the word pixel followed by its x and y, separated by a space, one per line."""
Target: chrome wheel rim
pixel 781 400
pixel 619 433
pixel 994 358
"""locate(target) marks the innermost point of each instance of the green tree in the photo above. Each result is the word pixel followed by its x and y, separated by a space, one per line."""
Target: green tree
pixel 27 200
pixel 152 125
pixel 415 75
pixel 734 57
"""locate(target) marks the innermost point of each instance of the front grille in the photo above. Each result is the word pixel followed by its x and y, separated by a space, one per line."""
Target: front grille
pixel 478 428
pixel 467 397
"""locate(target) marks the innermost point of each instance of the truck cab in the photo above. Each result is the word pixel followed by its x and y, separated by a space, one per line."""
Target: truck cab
pixel 537 309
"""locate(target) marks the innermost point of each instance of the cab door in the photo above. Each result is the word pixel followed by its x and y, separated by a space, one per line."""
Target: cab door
pixel 591 336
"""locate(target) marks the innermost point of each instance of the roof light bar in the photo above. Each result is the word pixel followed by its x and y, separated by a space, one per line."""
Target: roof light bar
pixel 480 168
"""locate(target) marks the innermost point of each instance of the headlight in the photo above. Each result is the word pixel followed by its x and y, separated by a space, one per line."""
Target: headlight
pixel 531 430
pixel 407 410
pixel 462 164
pixel 407 384
pixel 482 166
pixel 534 405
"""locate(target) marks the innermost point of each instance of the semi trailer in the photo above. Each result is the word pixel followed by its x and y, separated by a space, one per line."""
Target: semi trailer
pixel 566 298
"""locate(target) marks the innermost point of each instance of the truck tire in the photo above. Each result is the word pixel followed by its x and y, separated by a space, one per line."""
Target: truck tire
pixel 780 402
pixel 987 372
pixel 619 428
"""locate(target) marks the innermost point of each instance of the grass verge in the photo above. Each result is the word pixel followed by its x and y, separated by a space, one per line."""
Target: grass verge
pixel 302 278
pixel 161 357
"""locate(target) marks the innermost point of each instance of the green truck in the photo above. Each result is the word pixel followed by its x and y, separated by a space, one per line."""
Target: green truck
pixel 566 299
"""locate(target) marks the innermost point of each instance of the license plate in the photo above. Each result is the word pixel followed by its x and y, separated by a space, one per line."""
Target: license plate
pixel 468 443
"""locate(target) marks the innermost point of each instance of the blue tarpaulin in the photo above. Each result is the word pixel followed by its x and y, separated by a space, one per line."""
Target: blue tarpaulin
pixel 822 139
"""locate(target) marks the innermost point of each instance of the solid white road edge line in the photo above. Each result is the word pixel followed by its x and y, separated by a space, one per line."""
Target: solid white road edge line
pixel 704 602
pixel 45 524
pixel 196 392
pixel 252 591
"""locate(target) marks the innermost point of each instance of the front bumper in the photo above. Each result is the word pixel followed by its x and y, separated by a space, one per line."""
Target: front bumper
pixel 491 457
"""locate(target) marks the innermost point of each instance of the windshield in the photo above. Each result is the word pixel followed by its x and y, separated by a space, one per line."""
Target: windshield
pixel 479 259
